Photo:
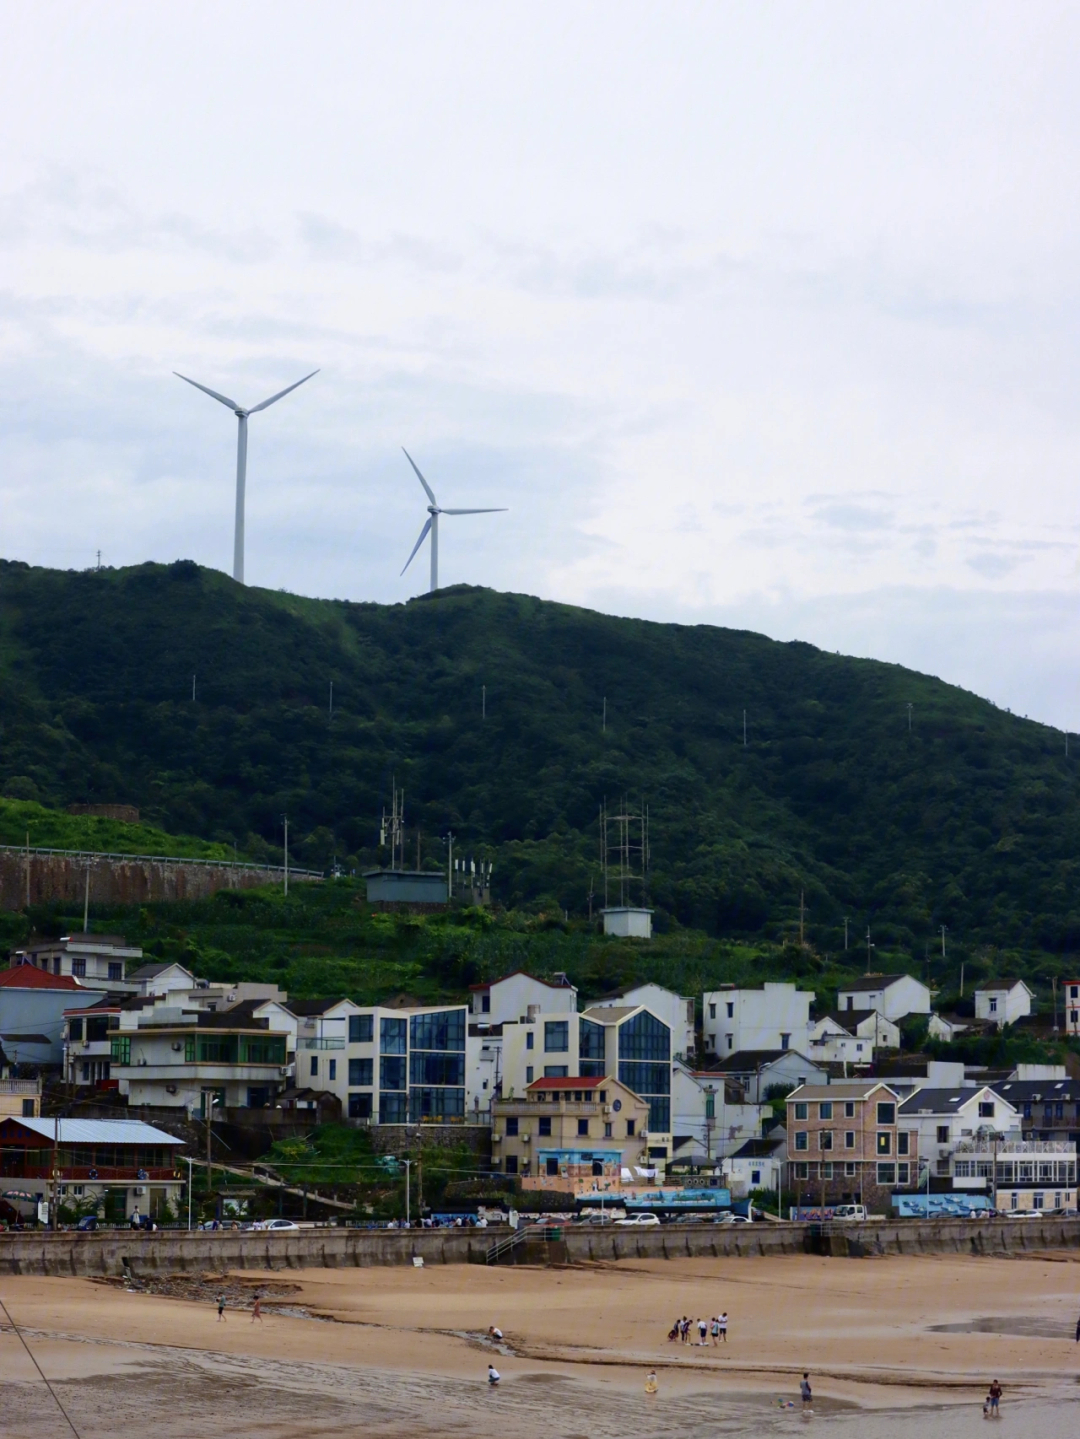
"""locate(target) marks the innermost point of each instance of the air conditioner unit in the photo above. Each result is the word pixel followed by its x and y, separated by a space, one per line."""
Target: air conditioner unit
pixel 138 1191
pixel 607 1109
pixel 170 1089
pixel 178 1045
pixel 496 1139
pixel 525 1138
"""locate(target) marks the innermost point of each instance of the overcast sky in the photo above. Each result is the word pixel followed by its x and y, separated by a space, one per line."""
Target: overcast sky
pixel 754 314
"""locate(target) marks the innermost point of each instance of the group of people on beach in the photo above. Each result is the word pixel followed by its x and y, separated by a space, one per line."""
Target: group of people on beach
pixel 683 1329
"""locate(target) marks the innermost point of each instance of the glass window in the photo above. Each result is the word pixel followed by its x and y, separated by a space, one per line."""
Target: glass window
pixel 314 1064
pixel 528 1074
pixel 802 1171
pixel 849 1139
pixel 393 1036
pixel 512 1126
pixel 556 1071
pixel 556 1036
pixel 545 1125
pixel 590 1041
pixel 511 1164
pixel 886 1174
pixel 433 1105
pixel 943 1134
pixel 75 1029
pixel 116 971
pixel 189 1049
pixel 631 1128
pixel 392 1072
pixel 433 1067
pixel 530 1040
pixel 121 1049
pixel 884 1143
pixel 393 1108
pixel 361 1071
pixel 333 1069
pixel 361 1028
pixel 849 1109
pixel 359 1106
pixel 608 1129
pixel 263 1051
pixel 886 1113
pixel 444 1030
pixel 903 1142
pixel 97 1027
pixel 825 1138
pixel 802 1140
pixel 986 1109
pixel 801 1109
pixel 78 967
pixel 903 1173
pixel 221 1049
pixel 825 1109
pixel 644 1037
pixel 583 1128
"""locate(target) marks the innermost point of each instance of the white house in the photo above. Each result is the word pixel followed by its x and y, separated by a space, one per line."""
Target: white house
pixel 758 1071
pixel 758 1164
pixel 850 1037
pixel 945 1027
pixel 516 995
pixel 702 1114
pixel 772 1015
pixel 676 1010
pixel 943 1118
pixel 1003 1001
pixel 893 995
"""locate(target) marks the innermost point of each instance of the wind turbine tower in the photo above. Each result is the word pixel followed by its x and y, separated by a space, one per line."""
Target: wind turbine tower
pixel 432 524
pixel 241 457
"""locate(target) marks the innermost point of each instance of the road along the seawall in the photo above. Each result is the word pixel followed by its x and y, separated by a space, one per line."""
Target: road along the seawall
pixel 120 1251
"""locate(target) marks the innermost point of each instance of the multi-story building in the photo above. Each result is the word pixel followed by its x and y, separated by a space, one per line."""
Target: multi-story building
pixel 571 1132
pixel 710 1116
pixel 20 1098
pixel 518 995
pixel 96 961
pixel 944 1118
pixel 893 995
pixel 845 1144
pixel 761 1073
pixel 1047 1109
pixel 121 1164
pixel 168 1055
pixel 1017 1174
pixel 676 1010
pixel 404 1065
pixel 1003 1001
pixel 627 1041
pixel 88 1040
pixel 768 1016
pixel 32 1005
pixel 851 1036
pixel 1071 992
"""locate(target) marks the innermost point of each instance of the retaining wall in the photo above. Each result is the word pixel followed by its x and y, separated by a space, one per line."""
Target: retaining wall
pixel 58 877
pixel 113 1251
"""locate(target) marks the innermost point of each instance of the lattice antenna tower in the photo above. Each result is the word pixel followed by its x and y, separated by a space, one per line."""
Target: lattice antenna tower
pixel 392 829
pixel 625 855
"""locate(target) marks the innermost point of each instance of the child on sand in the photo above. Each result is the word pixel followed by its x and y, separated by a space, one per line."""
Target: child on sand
pixel 221 1308
pixel 256 1309
pixel 714 1330
pixel 994 1399
pixel 702 1329
pixel 493 1376
pixel 807 1395
pixel 651 1385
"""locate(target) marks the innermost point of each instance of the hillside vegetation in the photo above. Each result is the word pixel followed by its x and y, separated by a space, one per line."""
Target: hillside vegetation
pixel 968 820
pixel 27 822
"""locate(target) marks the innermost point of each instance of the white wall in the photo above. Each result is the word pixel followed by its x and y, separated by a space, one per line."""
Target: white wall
pixel 758 1018
pixel 676 1010
pixel 1003 1006
pixel 512 996
pixel 905 996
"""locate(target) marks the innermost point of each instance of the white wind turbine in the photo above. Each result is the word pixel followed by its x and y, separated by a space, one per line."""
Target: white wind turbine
pixel 241 457
pixel 432 524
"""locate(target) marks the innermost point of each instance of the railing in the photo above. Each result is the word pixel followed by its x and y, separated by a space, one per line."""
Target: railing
pixel 545 1233
pixel 321 1043
pixel 164 859
pixel 20 1086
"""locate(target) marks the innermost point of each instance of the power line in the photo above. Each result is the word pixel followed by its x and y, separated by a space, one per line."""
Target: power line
pixel 39 1369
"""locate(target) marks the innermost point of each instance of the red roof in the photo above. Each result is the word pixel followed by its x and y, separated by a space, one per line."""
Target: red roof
pixel 568 1082
pixel 28 976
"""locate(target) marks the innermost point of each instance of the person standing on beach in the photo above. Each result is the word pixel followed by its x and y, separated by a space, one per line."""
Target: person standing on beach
pixel 256 1309
pixel 723 1326
pixel 684 1330
pixel 994 1397
pixel 714 1330
pixel 221 1308
pixel 805 1391
pixel 702 1329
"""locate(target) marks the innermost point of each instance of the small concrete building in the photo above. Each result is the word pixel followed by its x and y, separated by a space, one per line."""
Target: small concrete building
pixel 406 886
pixel 97 961
pixel 772 1015
pixel 628 921
pixel 1003 1001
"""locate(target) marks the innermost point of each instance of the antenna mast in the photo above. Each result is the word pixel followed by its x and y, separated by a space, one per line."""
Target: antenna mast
pixel 392 828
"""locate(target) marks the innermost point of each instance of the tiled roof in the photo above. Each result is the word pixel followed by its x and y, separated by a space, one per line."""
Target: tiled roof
pixel 28 976
pixel 869 982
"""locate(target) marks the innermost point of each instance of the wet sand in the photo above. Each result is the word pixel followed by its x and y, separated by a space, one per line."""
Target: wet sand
pixel 404 1351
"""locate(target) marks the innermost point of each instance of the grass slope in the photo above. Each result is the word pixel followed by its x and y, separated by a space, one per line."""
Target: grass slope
pixel 970 820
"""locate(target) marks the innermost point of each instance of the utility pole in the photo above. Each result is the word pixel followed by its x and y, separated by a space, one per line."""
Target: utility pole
pixel 330 715
pixel 192 689
pixel 869 947
pixel 943 928
pixel 449 868
pixel 483 702
pixel 909 709
pixel 802 918
pixel 28 869
pixel 845 931
pixel 1055 1029
pixel 961 979
pixel 208 1099
pixel 86 902
pixel 604 723
pixel 408 1165
pixel 99 560
pixel 286 819
pixel 744 729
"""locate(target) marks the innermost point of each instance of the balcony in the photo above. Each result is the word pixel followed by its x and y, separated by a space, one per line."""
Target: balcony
pixel 195 1072
pixel 321 1043
pixel 20 1086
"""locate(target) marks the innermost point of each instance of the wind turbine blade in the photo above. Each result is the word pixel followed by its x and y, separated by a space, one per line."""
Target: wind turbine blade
pixel 420 541
pixel 419 476
pixel 501 510
pixel 280 394
pixel 212 393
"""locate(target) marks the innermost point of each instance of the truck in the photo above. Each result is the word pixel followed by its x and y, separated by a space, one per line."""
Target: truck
pixel 818 1214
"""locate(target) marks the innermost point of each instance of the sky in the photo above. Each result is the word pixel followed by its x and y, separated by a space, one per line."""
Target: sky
pixel 759 314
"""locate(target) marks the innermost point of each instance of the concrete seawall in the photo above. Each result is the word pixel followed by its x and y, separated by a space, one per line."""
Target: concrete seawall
pixel 116 1251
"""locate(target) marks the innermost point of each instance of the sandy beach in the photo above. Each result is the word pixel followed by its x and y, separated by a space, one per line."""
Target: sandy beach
pixel 396 1351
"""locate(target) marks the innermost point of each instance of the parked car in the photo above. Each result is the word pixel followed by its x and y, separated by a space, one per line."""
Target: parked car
pixel 280 1224
pixel 87 1223
pixel 638 1221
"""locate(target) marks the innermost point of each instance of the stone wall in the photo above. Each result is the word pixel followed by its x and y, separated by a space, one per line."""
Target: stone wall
pixel 174 1251
pixel 56 877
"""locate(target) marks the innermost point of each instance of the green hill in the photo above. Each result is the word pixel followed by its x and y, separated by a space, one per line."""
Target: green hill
pixel 27 822
pixel 968 820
